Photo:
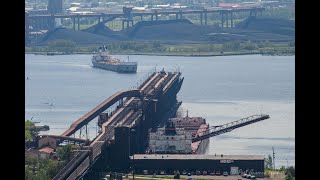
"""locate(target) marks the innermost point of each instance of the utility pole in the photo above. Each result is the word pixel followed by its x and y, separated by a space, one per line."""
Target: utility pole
pixel 273 156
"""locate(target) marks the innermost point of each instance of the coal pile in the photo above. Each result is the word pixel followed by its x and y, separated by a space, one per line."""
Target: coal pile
pixel 270 25
pixel 78 37
pixel 103 30
pixel 179 30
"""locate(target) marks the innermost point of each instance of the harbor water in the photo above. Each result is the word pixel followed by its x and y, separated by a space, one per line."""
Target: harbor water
pixel 60 89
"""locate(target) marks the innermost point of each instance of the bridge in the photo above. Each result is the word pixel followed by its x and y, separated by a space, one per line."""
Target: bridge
pixel 47 21
pixel 140 109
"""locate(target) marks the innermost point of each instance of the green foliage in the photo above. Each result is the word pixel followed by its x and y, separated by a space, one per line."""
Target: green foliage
pixel 292 44
pixel 31 161
pixel 64 152
pixel 39 169
pixel 263 44
pixel 291 171
pixel 27 135
pixel 156 44
pixel 158 47
pixel 231 46
pixel 51 167
pixel 282 13
pixel 137 46
pixel 289 177
pixel 28 123
pixel 249 45
pixel 28 174
pixel 177 176
pixel 268 162
pixel 62 45
pixel 94 4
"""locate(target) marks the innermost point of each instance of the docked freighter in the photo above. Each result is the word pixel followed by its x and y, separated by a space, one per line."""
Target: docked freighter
pixel 102 59
pixel 176 137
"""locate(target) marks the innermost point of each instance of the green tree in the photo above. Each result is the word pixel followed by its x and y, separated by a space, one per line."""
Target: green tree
pixel 28 123
pixel 231 46
pixel 156 44
pixel 249 45
pixel 292 43
pixel 42 175
pixel 51 167
pixel 291 170
pixel 62 45
pixel 27 174
pixel 27 135
pixel 39 169
pixel 94 4
pixel 263 44
pixel 268 162
pixel 64 153
pixel 289 177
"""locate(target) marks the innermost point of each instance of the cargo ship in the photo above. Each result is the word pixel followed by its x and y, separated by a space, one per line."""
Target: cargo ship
pixel 176 137
pixel 102 59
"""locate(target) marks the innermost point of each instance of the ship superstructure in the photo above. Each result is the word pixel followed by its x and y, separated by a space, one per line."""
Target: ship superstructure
pixel 176 136
pixel 102 59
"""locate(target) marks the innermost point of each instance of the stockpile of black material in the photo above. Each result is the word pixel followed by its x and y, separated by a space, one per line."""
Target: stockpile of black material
pixel 103 30
pixel 253 29
pixel 270 25
pixel 169 30
pixel 78 37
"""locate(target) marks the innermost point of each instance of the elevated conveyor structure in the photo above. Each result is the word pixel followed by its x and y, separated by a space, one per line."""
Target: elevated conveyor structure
pixel 217 130
pixel 142 109
pixel 99 109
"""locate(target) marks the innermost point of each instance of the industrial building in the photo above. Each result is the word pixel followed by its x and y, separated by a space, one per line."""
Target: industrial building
pixel 197 163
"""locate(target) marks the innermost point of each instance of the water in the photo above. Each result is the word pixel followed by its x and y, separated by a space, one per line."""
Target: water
pixel 61 89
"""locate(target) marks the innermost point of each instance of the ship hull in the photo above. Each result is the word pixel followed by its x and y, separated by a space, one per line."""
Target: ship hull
pixel 123 67
pixel 204 144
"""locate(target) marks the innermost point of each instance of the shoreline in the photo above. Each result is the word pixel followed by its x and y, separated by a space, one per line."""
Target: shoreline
pixel 182 54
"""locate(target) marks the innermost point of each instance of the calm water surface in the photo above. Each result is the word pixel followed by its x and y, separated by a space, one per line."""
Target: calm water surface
pixel 61 89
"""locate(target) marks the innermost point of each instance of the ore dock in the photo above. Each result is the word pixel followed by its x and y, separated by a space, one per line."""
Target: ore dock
pixel 123 142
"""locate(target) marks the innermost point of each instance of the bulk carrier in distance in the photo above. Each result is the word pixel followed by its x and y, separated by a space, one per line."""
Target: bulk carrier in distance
pixel 102 59
pixel 176 137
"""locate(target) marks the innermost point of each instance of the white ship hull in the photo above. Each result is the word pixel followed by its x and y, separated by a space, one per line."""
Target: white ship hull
pixel 122 67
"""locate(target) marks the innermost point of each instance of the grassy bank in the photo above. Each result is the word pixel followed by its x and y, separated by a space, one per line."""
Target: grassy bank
pixel 166 49
pixel 202 54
